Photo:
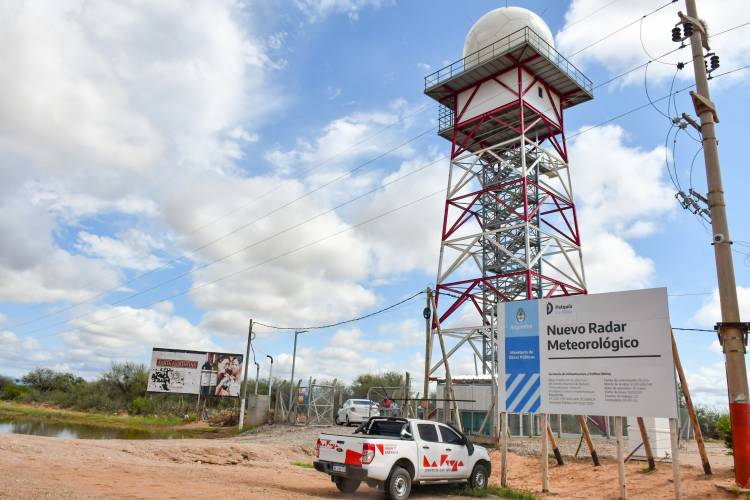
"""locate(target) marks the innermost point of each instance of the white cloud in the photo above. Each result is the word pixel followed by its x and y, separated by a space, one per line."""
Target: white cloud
pixel 343 141
pixel 60 276
pixel 708 385
pixel 104 102
pixel 19 354
pixel 132 249
pixel 124 333
pixel 316 10
pixel 619 197
pixel 623 50
pixel 346 354
pixel 710 312
pixel 404 244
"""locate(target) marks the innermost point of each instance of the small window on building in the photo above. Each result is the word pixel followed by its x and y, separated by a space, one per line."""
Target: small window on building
pixel 539 89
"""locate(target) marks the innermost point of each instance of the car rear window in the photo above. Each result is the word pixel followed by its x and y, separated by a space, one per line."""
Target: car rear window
pixel 386 428
pixel 428 432
pixel 362 402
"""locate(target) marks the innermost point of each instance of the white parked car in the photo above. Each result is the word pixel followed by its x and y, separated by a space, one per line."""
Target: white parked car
pixel 356 411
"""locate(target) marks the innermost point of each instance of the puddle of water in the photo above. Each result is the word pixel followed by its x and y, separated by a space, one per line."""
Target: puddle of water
pixel 77 431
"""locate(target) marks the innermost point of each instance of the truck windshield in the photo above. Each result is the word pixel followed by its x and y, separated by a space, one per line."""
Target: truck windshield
pixel 362 402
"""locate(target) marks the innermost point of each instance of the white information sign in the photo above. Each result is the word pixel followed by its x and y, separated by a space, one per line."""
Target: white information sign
pixel 606 354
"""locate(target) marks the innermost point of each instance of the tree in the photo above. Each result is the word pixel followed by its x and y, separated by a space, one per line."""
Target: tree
pixel 125 381
pixel 45 380
pixel 365 382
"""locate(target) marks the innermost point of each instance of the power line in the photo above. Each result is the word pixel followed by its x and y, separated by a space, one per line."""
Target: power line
pixel 343 176
pixel 693 330
pixel 262 263
pixel 620 29
pixel 254 244
pixel 353 320
pixel 237 229
pixel 403 206
pixel 568 26
pixel 166 264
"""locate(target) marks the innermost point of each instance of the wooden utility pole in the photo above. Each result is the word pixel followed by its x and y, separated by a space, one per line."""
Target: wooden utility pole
pixel 246 362
pixel 732 333
pixel 427 354
pixel 691 409
pixel 448 381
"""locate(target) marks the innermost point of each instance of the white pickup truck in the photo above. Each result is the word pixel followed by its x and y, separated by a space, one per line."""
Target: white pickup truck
pixel 394 453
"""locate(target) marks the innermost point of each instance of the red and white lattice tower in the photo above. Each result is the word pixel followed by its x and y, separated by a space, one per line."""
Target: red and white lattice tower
pixel 510 230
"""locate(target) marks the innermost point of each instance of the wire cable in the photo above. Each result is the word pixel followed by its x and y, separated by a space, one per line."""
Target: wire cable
pixel 621 29
pixel 570 137
pixel 643 45
pixel 237 229
pixel 648 96
pixel 345 322
pixel 258 264
pixel 626 113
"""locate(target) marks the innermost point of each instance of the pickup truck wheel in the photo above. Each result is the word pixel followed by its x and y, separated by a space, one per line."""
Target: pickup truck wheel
pixel 347 485
pixel 479 477
pixel 336 420
pixel 398 484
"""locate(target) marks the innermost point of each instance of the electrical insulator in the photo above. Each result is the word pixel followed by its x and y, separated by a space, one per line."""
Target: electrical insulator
pixel 688 30
pixel 676 34
pixel 714 62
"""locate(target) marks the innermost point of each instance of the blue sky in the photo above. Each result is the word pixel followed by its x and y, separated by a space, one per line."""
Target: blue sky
pixel 142 143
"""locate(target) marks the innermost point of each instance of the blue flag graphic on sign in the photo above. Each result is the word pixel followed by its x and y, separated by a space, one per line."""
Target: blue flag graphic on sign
pixel 522 387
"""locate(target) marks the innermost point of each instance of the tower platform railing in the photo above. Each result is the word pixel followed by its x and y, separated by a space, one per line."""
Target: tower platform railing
pixel 502 47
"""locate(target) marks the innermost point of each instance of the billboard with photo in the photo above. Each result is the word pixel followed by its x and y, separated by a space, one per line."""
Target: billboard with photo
pixel 602 354
pixel 180 371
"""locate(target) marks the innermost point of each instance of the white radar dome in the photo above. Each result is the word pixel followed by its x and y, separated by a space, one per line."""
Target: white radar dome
pixel 499 23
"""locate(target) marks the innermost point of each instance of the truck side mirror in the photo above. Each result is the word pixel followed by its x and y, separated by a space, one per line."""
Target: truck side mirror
pixel 405 434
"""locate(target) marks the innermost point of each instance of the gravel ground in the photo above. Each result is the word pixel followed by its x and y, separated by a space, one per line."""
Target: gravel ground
pixel 263 464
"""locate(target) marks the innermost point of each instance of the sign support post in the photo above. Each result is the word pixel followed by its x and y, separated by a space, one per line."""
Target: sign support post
pixel 621 459
pixel 675 458
pixel 504 450
pixel 545 455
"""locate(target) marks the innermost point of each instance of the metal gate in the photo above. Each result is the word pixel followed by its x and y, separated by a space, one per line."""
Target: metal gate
pixel 320 407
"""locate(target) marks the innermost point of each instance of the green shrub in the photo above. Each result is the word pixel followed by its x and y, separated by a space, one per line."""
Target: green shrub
pixel 707 419
pixel 13 391
pixel 724 426
pixel 141 406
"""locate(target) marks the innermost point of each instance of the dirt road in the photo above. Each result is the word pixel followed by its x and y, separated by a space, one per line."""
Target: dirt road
pixel 263 466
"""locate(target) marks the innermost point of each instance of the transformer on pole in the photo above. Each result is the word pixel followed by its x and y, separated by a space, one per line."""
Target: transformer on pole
pixel 510 230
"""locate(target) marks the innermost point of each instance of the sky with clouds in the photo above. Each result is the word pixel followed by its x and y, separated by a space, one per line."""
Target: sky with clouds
pixel 169 172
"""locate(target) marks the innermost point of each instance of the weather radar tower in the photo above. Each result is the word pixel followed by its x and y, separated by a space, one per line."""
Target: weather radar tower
pixel 510 230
